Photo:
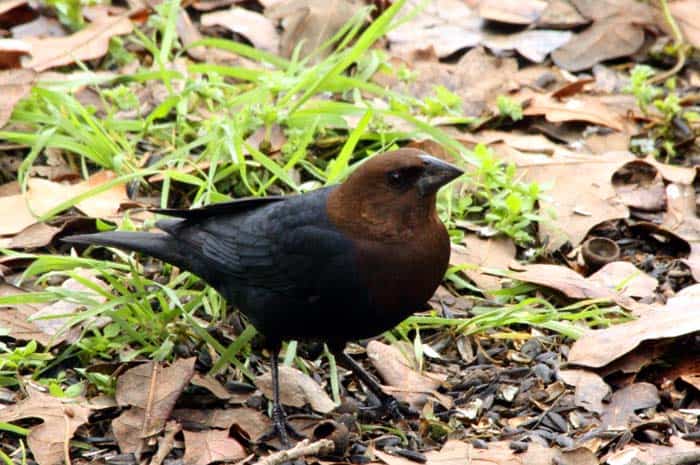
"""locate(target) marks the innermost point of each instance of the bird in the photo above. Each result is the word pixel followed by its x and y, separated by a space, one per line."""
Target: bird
pixel 339 263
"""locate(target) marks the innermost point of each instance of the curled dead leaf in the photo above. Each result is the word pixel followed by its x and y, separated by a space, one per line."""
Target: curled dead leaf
pixel 296 389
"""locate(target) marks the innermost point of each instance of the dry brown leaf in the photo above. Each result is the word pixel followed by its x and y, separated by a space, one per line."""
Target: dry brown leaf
pixel 296 389
pixel 14 86
pixel 597 348
pixel 606 39
pixel 45 318
pixel 151 390
pixel 41 27
pixel 590 389
pixel 250 421
pixel 578 202
pixel 534 44
pixel 15 319
pixel 43 195
pixel 679 451
pixel 259 30
pixel 571 284
pixel 687 13
pixel 480 252
pixel 212 385
pixel 404 381
pixel 560 14
pixel 619 414
pixel 445 26
pixel 585 108
pixel 627 279
pixel 86 44
pixel 62 417
pixel 33 236
pixel 456 452
pixel 205 447
pixel 310 22
pixel 524 12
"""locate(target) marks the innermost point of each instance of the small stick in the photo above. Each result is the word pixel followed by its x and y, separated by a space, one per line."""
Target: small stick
pixel 302 449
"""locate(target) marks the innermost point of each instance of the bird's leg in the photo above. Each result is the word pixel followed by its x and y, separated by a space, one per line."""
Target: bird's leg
pixel 280 426
pixel 389 403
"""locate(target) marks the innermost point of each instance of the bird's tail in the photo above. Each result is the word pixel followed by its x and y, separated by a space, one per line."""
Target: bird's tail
pixel 161 246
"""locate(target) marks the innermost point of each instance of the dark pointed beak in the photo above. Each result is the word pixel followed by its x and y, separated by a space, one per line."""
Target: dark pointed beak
pixel 437 173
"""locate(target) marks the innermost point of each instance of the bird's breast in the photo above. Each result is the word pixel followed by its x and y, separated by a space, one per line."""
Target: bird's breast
pixel 402 276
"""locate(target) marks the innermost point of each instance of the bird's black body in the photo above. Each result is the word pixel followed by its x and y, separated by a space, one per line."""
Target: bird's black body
pixel 339 263
pixel 282 263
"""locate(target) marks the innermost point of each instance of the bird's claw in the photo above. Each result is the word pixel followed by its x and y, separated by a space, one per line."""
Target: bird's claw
pixel 281 429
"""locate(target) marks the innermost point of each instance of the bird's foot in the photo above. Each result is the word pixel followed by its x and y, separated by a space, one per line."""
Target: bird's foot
pixel 281 428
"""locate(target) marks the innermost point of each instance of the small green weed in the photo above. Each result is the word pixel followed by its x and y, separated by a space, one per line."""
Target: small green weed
pixel 669 123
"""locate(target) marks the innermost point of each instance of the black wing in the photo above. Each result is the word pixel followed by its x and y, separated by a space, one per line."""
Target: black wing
pixel 281 247
pixel 224 208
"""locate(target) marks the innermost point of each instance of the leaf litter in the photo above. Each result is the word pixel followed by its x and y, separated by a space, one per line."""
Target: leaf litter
pixel 505 394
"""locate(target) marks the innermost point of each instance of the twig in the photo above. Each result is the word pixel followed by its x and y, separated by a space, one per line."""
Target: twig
pixel 302 449
pixel 678 43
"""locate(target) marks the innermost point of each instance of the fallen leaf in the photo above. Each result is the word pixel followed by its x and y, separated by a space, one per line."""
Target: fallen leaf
pixel 250 421
pixel 151 391
pixel 524 12
pixel 15 12
pixel 310 23
pixel 445 26
pixel 560 14
pixel 205 447
pixel 33 236
pixel 597 348
pixel 14 86
pixel 212 385
pixel 626 279
pixel 455 452
pixel 86 44
pixel 166 442
pixel 259 30
pixel 619 414
pixel 571 284
pixel 61 418
pixel 404 381
pixel 590 389
pixel 678 451
pixel 296 389
pixel 578 456
pixel 16 319
pixel 57 328
pixel 41 27
pixel 43 195
pixel 575 214
pixel 495 252
pixel 534 44
pixel 585 108
pixel 688 16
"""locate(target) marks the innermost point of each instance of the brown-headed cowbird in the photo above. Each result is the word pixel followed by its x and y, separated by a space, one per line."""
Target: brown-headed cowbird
pixel 339 263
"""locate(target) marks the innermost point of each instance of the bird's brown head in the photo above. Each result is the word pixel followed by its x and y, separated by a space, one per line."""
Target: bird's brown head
pixel 390 194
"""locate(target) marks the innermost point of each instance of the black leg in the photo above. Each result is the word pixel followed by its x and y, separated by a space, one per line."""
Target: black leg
pixel 281 428
pixel 389 403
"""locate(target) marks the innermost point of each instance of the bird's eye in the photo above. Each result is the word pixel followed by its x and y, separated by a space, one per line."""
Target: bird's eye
pixel 404 178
